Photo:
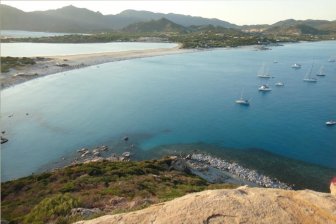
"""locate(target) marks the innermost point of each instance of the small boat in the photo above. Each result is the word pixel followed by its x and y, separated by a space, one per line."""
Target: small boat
pixel 263 72
pixel 264 88
pixel 296 66
pixel 331 122
pixel 279 84
pixel 308 77
pixel 321 71
pixel 242 101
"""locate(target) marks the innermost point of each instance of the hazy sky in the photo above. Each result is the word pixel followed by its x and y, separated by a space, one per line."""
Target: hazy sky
pixel 234 11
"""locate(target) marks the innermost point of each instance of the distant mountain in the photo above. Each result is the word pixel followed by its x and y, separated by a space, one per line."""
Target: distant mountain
pixel 294 26
pixel 183 20
pixel 296 30
pixel 67 19
pixel 314 27
pixel 161 25
pixel 73 19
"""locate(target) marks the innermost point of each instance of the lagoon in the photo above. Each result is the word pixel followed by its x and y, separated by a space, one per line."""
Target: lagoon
pixel 23 33
pixel 175 99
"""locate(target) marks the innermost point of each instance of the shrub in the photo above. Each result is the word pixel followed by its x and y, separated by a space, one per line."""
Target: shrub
pixel 51 208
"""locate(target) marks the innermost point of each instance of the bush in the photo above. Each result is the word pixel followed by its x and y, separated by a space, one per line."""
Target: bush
pixel 51 209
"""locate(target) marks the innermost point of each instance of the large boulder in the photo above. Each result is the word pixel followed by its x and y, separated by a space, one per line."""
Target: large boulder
pixel 242 205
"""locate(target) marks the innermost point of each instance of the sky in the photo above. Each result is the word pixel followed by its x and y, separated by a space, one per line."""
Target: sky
pixel 240 12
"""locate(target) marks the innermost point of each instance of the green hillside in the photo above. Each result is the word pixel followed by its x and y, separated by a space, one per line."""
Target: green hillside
pixel 111 187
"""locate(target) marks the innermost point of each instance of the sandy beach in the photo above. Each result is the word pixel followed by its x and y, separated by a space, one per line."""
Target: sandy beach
pixel 55 64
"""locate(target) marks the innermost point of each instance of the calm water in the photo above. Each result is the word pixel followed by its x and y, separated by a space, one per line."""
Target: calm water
pixel 185 98
pixel 22 33
pixel 47 49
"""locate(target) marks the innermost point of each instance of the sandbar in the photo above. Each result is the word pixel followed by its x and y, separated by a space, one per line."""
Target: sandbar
pixel 55 64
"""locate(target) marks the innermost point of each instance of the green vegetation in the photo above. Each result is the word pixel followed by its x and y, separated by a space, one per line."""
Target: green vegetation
pixel 51 208
pixel 110 186
pixel 12 62
pixel 191 37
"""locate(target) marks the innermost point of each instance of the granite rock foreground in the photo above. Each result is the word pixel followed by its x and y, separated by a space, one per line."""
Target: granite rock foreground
pixel 242 205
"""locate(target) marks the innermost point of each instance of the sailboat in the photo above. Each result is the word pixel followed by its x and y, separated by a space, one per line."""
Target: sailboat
pixel 308 77
pixel 321 71
pixel 263 72
pixel 242 101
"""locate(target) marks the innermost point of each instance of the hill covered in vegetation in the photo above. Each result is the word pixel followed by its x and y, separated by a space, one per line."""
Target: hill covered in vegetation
pixel 93 189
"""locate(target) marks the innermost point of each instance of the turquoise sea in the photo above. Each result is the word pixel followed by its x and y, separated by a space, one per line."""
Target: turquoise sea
pixel 177 99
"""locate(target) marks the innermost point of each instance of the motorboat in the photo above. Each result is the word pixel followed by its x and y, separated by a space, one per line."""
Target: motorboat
pixel 264 88
pixel 279 84
pixel 296 66
pixel 331 122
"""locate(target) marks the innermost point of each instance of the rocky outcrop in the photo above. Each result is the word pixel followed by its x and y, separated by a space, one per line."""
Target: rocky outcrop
pixel 242 205
pixel 333 186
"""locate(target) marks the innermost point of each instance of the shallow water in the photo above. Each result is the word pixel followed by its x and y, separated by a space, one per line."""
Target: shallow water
pixel 185 98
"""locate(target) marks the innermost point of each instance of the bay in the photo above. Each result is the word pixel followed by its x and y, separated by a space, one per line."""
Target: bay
pixel 176 99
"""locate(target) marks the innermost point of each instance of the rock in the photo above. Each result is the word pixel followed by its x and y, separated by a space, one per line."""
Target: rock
pixel 180 165
pixel 188 156
pixel 85 212
pixel 126 154
pixel 333 186
pixel 86 153
pixel 82 150
pixel 244 205
pixel 3 221
pixel 103 148
pixel 96 153
pixel 3 140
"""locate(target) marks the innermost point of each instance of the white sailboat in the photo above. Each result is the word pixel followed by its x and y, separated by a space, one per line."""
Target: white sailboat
pixel 308 77
pixel 264 72
pixel 243 101
pixel 321 71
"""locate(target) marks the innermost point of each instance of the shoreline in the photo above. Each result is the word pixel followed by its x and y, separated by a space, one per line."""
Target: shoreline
pixel 203 164
pixel 60 63
pixel 49 65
